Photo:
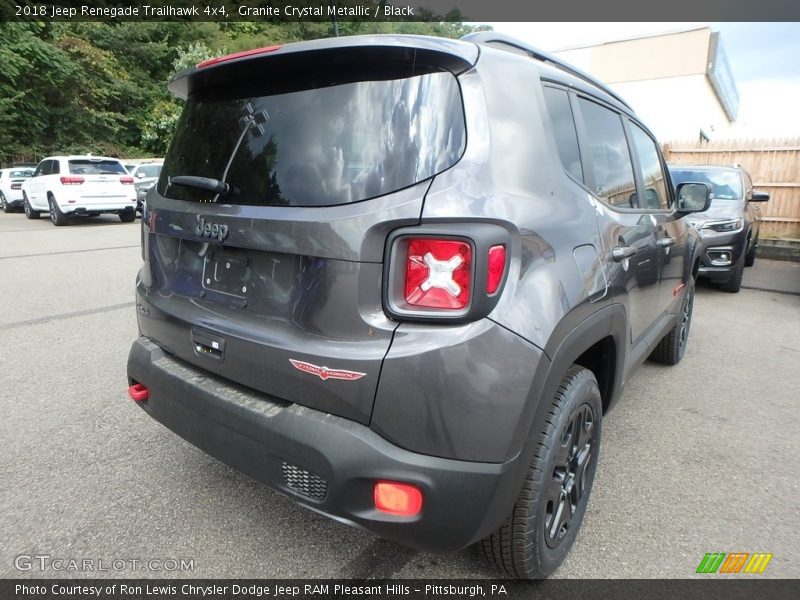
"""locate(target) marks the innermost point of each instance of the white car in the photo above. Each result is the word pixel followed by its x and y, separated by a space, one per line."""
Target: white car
pixel 68 186
pixel 11 181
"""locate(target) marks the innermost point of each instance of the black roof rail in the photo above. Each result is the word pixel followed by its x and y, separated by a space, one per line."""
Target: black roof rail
pixel 491 37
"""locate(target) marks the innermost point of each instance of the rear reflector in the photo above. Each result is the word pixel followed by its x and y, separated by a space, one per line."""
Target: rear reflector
pixel 235 55
pixel 126 180
pixel 401 499
pixel 438 273
pixel 138 392
pixel 497 266
pixel 72 180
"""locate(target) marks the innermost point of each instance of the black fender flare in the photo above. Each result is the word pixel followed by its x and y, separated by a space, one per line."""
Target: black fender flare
pixel 610 320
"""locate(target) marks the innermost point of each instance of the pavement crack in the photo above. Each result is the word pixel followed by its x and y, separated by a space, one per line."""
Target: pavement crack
pixel 69 315
pixel 68 252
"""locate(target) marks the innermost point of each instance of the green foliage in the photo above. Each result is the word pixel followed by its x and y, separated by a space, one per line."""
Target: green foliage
pixel 101 87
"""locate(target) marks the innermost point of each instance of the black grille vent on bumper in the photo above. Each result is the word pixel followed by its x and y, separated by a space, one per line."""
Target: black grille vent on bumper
pixel 304 482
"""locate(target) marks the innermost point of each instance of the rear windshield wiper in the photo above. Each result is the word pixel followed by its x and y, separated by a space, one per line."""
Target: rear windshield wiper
pixel 201 183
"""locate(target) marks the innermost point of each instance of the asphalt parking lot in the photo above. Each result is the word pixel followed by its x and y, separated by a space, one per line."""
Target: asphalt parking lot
pixel 701 457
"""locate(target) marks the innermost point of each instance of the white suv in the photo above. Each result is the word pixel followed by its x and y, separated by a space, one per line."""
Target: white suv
pixel 68 186
pixel 11 181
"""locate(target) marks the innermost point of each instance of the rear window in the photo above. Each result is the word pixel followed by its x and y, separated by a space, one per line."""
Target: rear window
pixel 725 185
pixel 318 147
pixel 95 167
pixel 149 171
pixel 21 174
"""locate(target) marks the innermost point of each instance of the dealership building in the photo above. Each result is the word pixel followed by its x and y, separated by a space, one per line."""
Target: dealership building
pixel 680 83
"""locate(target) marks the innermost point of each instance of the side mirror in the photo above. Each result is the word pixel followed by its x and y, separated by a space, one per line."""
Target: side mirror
pixel 139 175
pixel 692 197
pixel 759 197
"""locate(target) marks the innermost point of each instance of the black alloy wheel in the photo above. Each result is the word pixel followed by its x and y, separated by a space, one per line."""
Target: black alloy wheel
pixel 568 481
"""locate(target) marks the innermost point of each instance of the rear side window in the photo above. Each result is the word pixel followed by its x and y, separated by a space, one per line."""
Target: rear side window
pixel 317 147
pixel 610 160
pixel 654 195
pixel 95 167
pixel 560 113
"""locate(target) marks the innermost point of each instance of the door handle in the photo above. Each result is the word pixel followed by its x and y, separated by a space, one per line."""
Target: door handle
pixel 620 253
pixel 665 242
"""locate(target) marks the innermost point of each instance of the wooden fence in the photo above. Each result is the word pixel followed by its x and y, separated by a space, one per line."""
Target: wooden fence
pixel 774 166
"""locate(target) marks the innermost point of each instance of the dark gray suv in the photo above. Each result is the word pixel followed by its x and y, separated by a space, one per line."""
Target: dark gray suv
pixel 729 229
pixel 401 279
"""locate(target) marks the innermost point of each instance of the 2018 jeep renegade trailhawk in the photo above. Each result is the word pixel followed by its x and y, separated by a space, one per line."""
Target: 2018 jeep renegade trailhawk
pixel 401 279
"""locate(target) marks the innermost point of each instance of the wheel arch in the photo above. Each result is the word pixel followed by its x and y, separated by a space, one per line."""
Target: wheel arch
pixel 598 343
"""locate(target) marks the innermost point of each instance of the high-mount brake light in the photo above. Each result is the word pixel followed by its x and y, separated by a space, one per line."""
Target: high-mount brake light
pixel 72 180
pixel 438 273
pixel 213 61
pixel 394 498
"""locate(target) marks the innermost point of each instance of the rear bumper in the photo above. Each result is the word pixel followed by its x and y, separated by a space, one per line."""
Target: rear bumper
pixel 335 460
pixel 81 207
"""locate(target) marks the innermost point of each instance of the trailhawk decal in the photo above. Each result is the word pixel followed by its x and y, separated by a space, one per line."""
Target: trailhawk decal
pixel 325 373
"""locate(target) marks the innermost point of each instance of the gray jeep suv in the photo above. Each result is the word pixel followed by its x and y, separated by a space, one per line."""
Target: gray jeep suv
pixel 401 279
pixel 729 229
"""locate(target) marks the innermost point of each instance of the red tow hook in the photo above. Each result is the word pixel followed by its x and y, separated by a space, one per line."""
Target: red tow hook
pixel 138 392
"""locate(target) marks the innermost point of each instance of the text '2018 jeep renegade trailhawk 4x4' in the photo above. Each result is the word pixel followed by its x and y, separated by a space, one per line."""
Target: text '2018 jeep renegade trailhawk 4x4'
pixel 401 279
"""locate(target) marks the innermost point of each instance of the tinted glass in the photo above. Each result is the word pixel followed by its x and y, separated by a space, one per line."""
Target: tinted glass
pixel 564 129
pixel 20 174
pixel 55 167
pixel 318 147
pixel 725 184
pixel 40 169
pixel 654 195
pixel 611 162
pixel 95 167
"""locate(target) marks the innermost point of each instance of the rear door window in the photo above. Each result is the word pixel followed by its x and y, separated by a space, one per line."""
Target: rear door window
pixel 612 169
pixel 323 146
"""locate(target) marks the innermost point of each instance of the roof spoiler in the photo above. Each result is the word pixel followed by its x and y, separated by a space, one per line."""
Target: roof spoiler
pixel 506 42
pixel 317 55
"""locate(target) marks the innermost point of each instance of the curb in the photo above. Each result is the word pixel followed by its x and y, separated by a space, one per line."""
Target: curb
pixel 779 250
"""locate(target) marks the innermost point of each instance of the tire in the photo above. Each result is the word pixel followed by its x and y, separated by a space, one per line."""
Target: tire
pixel 525 545
pixel 6 207
pixel 58 218
pixel 671 348
pixel 734 284
pixel 128 216
pixel 30 213
pixel 750 257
